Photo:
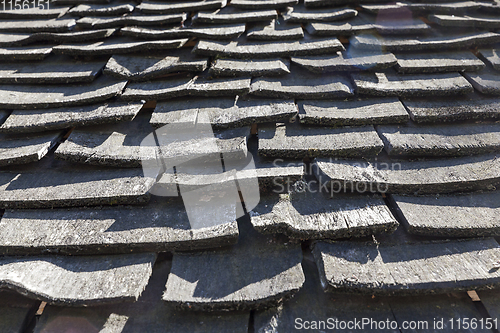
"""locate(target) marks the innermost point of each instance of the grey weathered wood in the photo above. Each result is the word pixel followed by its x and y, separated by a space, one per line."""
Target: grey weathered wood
pixel 78 280
pixel 458 7
pixel 299 14
pixel 186 85
pixel 486 81
pixel 230 15
pixel 24 53
pixel 16 311
pixel 43 189
pixel 296 141
pixel 306 212
pixel 353 26
pixel 148 7
pixel 57 70
pixel 17 39
pixel 275 30
pixel 135 20
pixel 102 10
pixel 491 56
pixel 29 121
pixel 256 272
pixel 162 225
pixel 145 67
pixel 51 25
pixel 304 85
pixel 263 4
pixel 438 62
pixel 223 112
pixel 236 67
pixel 270 49
pixel 415 177
pixel 119 45
pixel 392 84
pixel 450 140
pixel 347 62
pixel 427 312
pixel 22 149
pixel 453 109
pixel 223 32
pixel 148 314
pixel 437 42
pixel 489 22
pixel 313 309
pixel 35 96
pixel 461 215
pixel 437 267
pixel 113 144
pixel 352 112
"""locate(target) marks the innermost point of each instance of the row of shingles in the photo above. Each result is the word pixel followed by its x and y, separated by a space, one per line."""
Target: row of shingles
pixel 391 263
pixel 281 276
pixel 60 279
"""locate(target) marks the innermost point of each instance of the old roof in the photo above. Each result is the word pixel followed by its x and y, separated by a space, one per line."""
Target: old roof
pixel 370 130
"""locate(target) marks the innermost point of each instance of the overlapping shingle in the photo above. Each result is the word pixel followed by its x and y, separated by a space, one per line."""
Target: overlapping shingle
pixel 296 141
pixel 452 109
pixel 275 30
pixel 415 177
pixel 236 67
pixel 232 15
pixel 297 14
pixel 352 112
pixel 32 13
pixel 145 67
pixel 223 112
pixel 168 8
pixel 17 39
pixel 101 10
pixel 176 87
pixel 25 53
pixel 490 22
pixel 459 7
pixel 486 81
pixel 73 187
pixel 53 25
pixel 256 272
pixel 211 32
pixel 392 84
pixel 344 61
pixel 304 85
pixel 40 96
pixel 491 56
pixel 263 4
pixel 120 45
pixel 461 215
pixel 57 70
pixel 408 268
pixel 307 213
pixel 78 280
pixel 271 49
pixel 29 121
pixel 438 62
pixel 162 225
pixel 136 20
pixel 438 140
pixel 23 149
pixel 436 42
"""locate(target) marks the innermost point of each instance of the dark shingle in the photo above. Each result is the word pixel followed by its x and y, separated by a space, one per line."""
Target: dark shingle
pixel 464 215
pixel 416 177
pixel 296 141
pixel 43 96
pixel 437 267
pixel 29 121
pixel 79 280
pixel 352 112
